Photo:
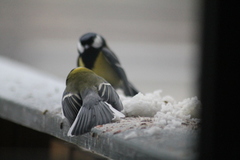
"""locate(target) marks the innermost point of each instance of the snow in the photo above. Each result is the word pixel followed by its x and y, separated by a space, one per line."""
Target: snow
pixel 153 104
pixel 142 105
pixel 29 87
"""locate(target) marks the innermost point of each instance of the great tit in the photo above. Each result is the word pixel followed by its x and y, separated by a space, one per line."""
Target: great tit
pixel 88 100
pixel 97 56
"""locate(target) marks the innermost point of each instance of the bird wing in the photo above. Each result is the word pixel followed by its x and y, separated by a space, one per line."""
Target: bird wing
pixel 93 112
pixel 71 104
pixel 108 94
pixel 114 62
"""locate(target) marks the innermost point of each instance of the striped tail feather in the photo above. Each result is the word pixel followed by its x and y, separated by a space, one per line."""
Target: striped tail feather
pixel 89 116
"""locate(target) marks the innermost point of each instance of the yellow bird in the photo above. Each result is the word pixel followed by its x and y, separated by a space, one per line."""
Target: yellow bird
pixel 88 100
pixel 97 56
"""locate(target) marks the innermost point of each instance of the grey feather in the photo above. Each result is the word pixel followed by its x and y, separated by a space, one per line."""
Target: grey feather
pixel 127 87
pixel 89 116
pixel 71 104
pixel 108 94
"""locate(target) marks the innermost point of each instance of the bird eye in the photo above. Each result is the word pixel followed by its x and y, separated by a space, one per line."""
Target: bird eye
pixel 80 48
pixel 97 42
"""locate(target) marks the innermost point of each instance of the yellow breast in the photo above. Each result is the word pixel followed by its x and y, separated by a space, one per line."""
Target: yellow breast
pixel 103 68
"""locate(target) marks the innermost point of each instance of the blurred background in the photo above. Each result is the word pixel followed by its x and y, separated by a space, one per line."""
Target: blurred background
pixel 156 40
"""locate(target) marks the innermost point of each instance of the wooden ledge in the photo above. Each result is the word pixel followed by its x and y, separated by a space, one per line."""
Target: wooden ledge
pixel 33 99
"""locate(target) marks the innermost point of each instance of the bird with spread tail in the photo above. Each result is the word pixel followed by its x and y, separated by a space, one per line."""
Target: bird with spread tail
pixel 95 54
pixel 89 100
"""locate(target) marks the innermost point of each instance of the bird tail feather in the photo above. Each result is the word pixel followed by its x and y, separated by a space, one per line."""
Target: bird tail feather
pixel 133 89
pixel 91 115
pixel 129 89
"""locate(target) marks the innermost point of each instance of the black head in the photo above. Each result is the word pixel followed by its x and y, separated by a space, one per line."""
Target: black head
pixel 90 41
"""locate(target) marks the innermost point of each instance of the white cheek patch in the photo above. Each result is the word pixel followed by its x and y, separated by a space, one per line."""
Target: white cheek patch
pixel 97 43
pixel 80 47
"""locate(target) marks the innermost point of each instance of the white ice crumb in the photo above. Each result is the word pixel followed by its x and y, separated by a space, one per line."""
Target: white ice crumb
pixel 152 130
pixel 190 106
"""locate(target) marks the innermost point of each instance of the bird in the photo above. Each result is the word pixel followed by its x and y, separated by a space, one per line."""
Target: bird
pixel 89 100
pixel 95 54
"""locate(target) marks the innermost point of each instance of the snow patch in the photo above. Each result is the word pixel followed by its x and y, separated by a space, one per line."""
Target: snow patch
pixel 166 113
pixel 149 104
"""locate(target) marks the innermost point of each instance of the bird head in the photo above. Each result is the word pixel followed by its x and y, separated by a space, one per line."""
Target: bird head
pixel 78 73
pixel 90 41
